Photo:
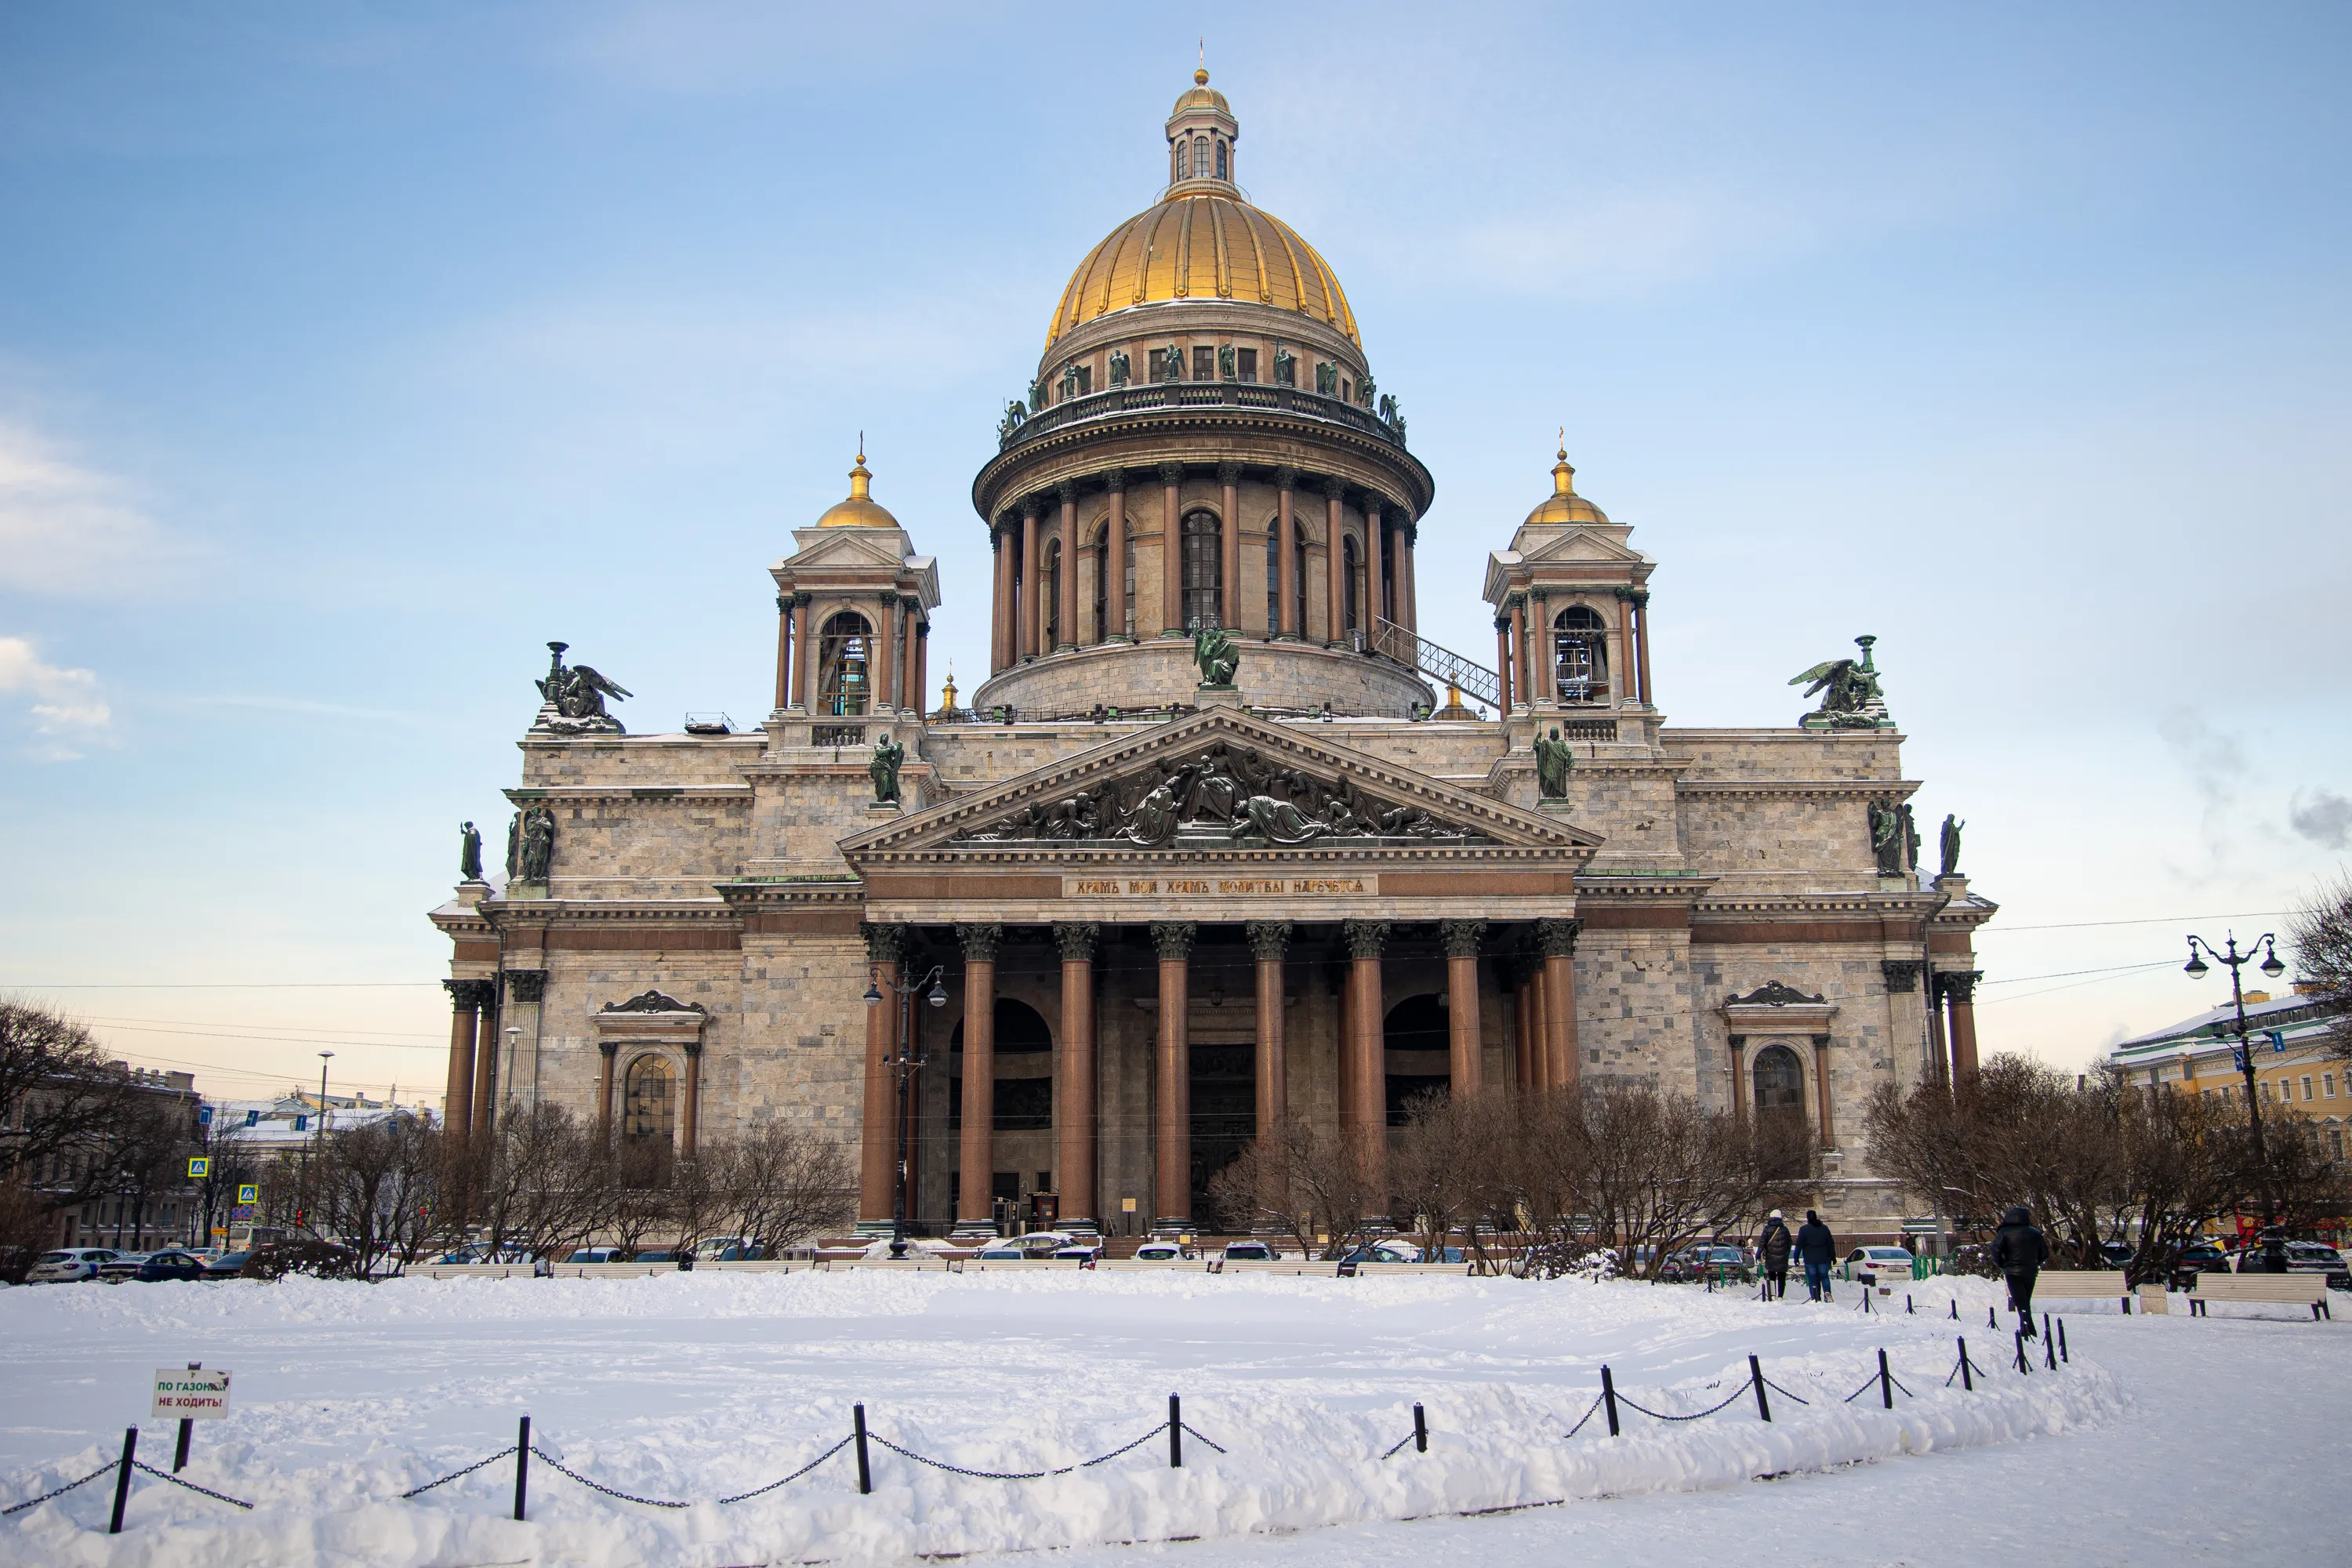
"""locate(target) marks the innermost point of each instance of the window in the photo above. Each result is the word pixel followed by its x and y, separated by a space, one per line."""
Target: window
pixel 1349 577
pixel 1052 589
pixel 1108 622
pixel 1204 567
pixel 1779 1080
pixel 1347 393
pixel 1221 157
pixel 1273 579
pixel 649 1108
pixel 1176 163
pixel 1200 157
pixel 2306 1086
pixel 2266 1092
pixel 1245 365
pixel 844 685
pixel 1581 655
pixel 2335 1142
pixel 2327 1082
pixel 1299 576
pixel 1204 364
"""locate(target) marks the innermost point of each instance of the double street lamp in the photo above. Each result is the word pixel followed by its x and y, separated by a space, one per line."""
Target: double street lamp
pixel 2228 955
pixel 904 1063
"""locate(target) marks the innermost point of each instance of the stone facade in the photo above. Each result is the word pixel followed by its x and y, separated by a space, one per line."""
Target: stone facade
pixel 1703 911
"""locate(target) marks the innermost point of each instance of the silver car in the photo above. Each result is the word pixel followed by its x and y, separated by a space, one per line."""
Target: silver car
pixel 69 1264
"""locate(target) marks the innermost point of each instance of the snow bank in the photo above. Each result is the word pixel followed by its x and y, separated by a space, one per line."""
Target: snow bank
pixel 701 1385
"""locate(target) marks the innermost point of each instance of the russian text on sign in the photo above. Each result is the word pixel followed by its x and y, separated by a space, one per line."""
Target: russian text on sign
pixel 184 1396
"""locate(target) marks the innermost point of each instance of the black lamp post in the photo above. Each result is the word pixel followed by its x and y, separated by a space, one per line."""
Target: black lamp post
pixel 905 1063
pixel 2228 955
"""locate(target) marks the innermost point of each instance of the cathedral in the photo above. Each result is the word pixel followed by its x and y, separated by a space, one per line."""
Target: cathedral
pixel 1220 838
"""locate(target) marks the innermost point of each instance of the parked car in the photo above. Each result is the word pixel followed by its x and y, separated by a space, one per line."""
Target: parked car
pixel 1389 1251
pixel 1250 1252
pixel 1080 1251
pixel 2302 1257
pixel 1891 1265
pixel 69 1264
pixel 655 1254
pixel 171 1264
pixel 731 1252
pixel 595 1254
pixel 1004 1250
pixel 2119 1254
pixel 120 1266
pixel 1161 1252
pixel 1718 1262
pixel 227 1265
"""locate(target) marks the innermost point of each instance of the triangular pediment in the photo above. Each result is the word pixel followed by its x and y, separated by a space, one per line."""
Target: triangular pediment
pixel 1219 780
pixel 836 548
pixel 1583 544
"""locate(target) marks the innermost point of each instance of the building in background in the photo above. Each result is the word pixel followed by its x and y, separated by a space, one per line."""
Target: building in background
pixel 2295 1066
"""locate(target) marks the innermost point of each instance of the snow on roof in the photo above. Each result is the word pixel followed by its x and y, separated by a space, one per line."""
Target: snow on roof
pixel 2215 1022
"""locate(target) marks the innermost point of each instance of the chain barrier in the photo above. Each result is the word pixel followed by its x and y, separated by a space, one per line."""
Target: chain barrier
pixel 167 1476
pixel 1196 1432
pixel 547 1458
pixel 1392 1453
pixel 1589 1411
pixel 1785 1393
pixel 796 1475
pixel 506 1452
pixel 1661 1416
pixel 1033 1475
pixel 107 1468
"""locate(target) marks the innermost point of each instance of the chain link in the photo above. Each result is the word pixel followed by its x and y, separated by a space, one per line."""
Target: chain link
pixel 1587 1417
pixel 455 1475
pixel 1196 1432
pixel 1784 1392
pixel 167 1476
pixel 1694 1415
pixel 796 1475
pixel 34 1502
pixel 554 1463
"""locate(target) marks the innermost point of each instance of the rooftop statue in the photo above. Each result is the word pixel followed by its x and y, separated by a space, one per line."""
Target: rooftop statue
pixel 1948 842
pixel 469 852
pixel 538 844
pixel 883 769
pixel 1214 651
pixel 1120 367
pixel 1853 700
pixel 1554 758
pixel 577 695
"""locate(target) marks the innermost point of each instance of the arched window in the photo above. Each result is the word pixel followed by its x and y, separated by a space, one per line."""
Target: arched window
pixel 1350 576
pixel 844 676
pixel 1205 601
pixel 1581 655
pixel 1023 1095
pixel 1098 555
pixel 1200 157
pixel 1176 163
pixel 1052 589
pixel 648 1105
pixel 1221 158
pixel 1780 1082
pixel 1299 577
pixel 1273 580
pixel 1417 1052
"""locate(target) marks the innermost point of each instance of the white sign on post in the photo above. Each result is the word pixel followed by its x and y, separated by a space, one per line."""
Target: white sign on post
pixel 182 1394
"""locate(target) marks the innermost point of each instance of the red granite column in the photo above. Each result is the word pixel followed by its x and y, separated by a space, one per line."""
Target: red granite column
pixel 1114 624
pixel 783 651
pixel 465 1016
pixel 1558 940
pixel 1068 493
pixel 877 1156
pixel 1960 988
pixel 1822 1085
pixel 1000 631
pixel 1461 941
pixel 690 1124
pixel 1172 1197
pixel 1074 1111
pixel 1230 595
pixel 1739 1076
pixel 977 1150
pixel 605 1051
pixel 805 650
pixel 1375 606
pixel 1269 940
pixel 1527 1041
pixel 1641 641
pixel 1365 938
pixel 1409 582
pixel 1171 550
pixel 910 677
pixel 1335 617
pixel 1543 657
pixel 1503 662
pixel 1031 616
pixel 1520 648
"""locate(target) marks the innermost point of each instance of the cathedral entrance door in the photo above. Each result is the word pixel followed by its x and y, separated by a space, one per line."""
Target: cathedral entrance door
pixel 1224 1112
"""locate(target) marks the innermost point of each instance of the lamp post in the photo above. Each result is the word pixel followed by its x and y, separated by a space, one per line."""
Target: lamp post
pixel 904 1063
pixel 324 1057
pixel 2230 957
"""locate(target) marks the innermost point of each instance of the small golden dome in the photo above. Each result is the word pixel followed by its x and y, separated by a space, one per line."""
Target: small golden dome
pixel 1564 505
pixel 860 511
pixel 1201 95
pixel 1203 246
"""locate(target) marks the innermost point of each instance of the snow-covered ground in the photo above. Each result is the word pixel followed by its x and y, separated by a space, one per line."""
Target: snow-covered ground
pixel 699 1386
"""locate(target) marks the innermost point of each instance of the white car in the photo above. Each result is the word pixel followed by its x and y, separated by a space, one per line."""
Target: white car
pixel 1891 1264
pixel 1160 1252
pixel 1250 1252
pixel 69 1264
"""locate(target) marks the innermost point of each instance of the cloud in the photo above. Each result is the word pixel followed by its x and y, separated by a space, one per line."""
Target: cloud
pixel 2321 816
pixel 66 706
pixel 66 529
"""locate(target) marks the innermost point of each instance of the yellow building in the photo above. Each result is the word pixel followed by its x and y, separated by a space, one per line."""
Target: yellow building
pixel 2296 1066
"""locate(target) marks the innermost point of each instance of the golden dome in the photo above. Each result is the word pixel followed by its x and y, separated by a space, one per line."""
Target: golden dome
pixel 1204 245
pixel 860 511
pixel 1564 505
pixel 1201 95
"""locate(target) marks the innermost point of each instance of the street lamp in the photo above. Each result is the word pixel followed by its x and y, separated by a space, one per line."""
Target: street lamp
pixel 324 1057
pixel 2232 959
pixel 904 1063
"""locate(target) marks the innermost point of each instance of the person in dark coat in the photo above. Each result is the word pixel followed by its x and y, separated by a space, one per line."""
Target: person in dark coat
pixel 1817 1250
pixel 1773 1247
pixel 2019 1251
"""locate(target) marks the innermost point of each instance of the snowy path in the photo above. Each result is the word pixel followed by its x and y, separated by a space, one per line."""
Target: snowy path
pixel 697 1386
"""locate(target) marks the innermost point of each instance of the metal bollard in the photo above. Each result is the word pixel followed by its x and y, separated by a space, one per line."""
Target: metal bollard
pixel 1420 1430
pixel 522 1466
pixel 1609 1398
pixel 1968 1380
pixel 1756 1376
pixel 2062 1340
pixel 187 1430
pixel 1175 1433
pixel 1991 1321
pixel 1885 1382
pixel 2049 1345
pixel 1956 1308
pixel 1908 1309
pixel 123 1477
pixel 2024 1367
pixel 865 1468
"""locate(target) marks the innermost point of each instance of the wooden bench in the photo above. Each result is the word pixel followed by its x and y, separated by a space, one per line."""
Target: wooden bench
pixel 2083 1285
pixel 2266 1290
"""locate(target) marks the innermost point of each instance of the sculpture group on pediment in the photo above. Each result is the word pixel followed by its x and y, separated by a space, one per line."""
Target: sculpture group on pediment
pixel 1232 796
pixel 576 695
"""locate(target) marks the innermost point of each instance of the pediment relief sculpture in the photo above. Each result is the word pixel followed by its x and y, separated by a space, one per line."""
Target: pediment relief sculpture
pixel 1224 796
pixel 653 1002
pixel 1774 993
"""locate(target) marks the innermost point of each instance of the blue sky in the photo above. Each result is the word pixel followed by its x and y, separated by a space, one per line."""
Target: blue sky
pixel 348 353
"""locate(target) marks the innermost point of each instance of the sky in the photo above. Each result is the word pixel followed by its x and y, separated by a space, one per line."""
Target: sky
pixel 350 353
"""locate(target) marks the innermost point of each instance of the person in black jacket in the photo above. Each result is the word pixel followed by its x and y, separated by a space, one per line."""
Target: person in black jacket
pixel 2019 1251
pixel 1772 1248
pixel 1817 1250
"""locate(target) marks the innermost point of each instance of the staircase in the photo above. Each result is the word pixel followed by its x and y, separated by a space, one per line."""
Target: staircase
pixel 1474 681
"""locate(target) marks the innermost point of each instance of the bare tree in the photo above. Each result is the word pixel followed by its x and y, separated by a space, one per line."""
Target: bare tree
pixel 62 1106
pixel 375 1188
pixel 1309 1184
pixel 2320 935
pixel 1445 1172
pixel 785 1185
pixel 542 1190
pixel 638 1171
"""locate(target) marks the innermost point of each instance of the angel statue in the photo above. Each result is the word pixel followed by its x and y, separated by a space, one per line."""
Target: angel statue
pixel 1850 688
pixel 1214 651
pixel 577 694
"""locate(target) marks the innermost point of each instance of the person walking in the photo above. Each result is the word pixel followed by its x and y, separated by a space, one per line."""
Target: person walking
pixel 2019 1251
pixel 1816 1249
pixel 1773 1247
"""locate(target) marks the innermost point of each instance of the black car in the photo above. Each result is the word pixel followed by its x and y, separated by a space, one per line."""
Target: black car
pixel 227 1265
pixel 171 1265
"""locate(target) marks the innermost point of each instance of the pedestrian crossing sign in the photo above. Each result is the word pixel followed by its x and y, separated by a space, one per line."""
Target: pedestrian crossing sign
pixel 249 1194
pixel 199 1167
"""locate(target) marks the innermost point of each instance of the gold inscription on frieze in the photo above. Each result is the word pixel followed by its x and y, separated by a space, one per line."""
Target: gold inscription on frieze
pixel 1218 887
